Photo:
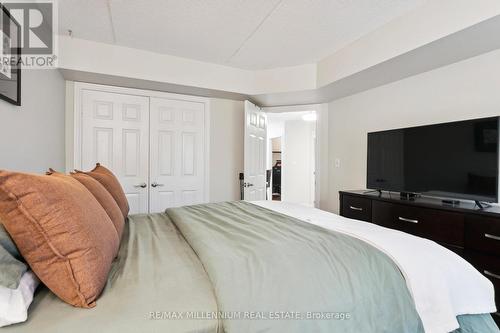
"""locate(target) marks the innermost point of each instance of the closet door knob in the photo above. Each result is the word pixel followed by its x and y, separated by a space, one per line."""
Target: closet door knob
pixel 143 185
pixel 155 184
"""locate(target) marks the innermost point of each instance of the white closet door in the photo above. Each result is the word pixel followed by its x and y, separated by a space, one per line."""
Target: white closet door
pixel 115 133
pixel 177 153
pixel 255 153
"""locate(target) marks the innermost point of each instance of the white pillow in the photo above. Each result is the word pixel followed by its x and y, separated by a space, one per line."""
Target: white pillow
pixel 14 303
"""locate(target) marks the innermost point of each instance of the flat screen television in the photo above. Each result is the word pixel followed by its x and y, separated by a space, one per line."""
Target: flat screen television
pixel 451 160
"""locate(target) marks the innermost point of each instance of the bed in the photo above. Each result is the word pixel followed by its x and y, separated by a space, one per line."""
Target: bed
pixel 270 267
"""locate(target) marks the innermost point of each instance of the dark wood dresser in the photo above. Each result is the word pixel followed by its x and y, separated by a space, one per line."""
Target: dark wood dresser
pixel 465 229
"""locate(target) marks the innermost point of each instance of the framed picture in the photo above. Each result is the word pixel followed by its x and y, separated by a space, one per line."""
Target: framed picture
pixel 10 55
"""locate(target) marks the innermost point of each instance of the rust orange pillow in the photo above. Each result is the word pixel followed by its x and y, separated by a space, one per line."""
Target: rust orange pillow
pixel 111 183
pixel 104 198
pixel 62 231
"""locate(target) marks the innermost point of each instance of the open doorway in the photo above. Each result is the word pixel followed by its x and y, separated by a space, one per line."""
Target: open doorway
pixel 291 157
pixel 275 176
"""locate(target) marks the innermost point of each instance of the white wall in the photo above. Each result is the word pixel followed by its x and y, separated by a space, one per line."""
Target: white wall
pixel 275 128
pixel 298 159
pixel 465 90
pixel 32 135
pixel 226 148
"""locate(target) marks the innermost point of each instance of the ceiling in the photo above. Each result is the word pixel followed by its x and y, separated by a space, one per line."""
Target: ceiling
pixel 248 34
pixel 480 38
pixel 279 117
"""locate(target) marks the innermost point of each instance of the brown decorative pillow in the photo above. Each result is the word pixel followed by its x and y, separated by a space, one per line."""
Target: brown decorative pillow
pixel 111 183
pixel 62 231
pixel 105 199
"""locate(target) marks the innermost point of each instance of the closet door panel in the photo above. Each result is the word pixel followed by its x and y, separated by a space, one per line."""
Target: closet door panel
pixel 115 133
pixel 177 153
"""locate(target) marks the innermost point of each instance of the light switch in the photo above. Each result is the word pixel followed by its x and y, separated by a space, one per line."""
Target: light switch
pixel 337 162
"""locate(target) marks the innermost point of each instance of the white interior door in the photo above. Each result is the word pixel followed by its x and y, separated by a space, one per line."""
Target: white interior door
pixel 115 133
pixel 255 153
pixel 177 153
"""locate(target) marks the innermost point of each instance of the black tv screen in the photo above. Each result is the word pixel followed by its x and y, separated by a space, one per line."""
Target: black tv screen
pixel 453 160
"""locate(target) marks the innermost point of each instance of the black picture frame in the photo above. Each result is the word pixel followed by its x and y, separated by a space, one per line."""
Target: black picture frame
pixel 16 71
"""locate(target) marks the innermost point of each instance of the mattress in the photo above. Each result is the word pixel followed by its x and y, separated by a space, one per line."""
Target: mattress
pixel 154 284
pixel 257 260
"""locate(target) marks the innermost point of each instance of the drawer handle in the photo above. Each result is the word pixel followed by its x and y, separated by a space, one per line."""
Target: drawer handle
pixel 493 275
pixel 492 237
pixel 407 220
pixel 356 208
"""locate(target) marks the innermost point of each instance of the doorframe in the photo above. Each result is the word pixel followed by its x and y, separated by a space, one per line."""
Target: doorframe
pixel 74 110
pixel 322 118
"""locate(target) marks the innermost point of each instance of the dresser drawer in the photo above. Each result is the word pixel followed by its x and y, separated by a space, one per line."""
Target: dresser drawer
pixel 482 234
pixel 440 226
pixel 489 266
pixel 356 208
